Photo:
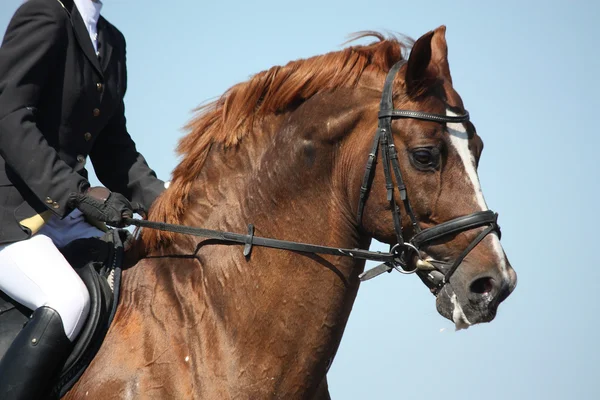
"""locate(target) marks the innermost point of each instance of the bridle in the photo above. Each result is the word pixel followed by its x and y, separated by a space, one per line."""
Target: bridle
pixel 438 275
pixel 401 256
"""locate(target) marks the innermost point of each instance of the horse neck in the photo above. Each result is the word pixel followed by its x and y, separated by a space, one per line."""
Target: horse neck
pixel 281 181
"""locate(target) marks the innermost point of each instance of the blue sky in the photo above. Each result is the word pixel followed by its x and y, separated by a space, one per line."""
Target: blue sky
pixel 528 73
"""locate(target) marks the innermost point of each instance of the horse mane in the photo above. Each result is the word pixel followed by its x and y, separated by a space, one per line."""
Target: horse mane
pixel 281 88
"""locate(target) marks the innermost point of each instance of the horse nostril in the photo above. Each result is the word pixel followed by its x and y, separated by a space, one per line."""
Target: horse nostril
pixel 482 285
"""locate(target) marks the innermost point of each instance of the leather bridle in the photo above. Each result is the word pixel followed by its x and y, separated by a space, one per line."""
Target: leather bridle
pixel 401 257
pixel 406 251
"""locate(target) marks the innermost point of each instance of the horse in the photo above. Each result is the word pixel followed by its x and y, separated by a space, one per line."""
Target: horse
pixel 286 151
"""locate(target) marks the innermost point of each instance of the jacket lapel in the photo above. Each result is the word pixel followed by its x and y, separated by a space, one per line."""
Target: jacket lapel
pixel 105 40
pixel 83 37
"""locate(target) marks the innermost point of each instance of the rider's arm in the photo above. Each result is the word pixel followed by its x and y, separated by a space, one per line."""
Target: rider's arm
pixel 33 41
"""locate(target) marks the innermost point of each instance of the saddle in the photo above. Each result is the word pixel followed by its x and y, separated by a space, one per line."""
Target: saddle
pixel 98 262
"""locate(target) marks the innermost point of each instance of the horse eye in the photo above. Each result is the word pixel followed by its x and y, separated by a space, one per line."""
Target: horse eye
pixel 425 157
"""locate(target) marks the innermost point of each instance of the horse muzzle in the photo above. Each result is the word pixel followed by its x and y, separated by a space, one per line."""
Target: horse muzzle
pixel 468 300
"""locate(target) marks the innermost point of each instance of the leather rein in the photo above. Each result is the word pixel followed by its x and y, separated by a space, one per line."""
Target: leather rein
pixel 401 255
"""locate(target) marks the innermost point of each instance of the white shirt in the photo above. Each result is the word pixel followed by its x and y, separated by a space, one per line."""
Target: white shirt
pixel 90 12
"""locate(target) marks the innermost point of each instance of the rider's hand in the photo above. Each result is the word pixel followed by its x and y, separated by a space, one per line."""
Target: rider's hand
pixel 102 204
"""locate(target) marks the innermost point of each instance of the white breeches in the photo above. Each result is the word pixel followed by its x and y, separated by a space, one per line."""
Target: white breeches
pixel 35 273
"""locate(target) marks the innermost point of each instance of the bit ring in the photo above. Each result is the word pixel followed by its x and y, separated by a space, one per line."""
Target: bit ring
pixel 399 250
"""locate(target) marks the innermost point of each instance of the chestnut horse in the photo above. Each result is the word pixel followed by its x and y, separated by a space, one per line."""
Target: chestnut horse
pixel 286 151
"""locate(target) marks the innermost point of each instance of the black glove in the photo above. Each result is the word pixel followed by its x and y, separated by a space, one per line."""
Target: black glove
pixel 106 206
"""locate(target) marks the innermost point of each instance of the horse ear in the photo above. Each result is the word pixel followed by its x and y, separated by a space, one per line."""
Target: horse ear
pixel 428 62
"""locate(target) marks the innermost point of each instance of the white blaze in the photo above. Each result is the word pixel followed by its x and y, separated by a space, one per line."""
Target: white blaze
pixel 459 138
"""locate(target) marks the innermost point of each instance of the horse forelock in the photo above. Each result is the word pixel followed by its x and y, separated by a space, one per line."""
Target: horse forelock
pixel 277 90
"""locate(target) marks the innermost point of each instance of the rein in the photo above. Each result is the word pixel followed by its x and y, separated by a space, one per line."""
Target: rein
pixel 249 240
pixel 401 257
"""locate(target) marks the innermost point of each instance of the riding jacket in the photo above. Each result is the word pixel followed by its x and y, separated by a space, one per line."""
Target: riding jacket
pixel 59 104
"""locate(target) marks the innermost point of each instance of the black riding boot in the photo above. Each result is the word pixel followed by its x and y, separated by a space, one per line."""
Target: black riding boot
pixel 35 357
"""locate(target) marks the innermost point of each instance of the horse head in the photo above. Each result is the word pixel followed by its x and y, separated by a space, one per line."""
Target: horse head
pixel 438 162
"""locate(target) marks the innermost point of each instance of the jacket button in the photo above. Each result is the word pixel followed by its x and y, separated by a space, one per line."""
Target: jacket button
pixel 96 112
pixel 99 86
pixel 55 205
pixel 49 200
pixel 81 159
pixel 87 136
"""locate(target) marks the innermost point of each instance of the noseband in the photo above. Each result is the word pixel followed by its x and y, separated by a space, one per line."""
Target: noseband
pixel 401 257
pixel 406 252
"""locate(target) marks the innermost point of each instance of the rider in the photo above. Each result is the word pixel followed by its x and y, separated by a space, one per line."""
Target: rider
pixel 62 82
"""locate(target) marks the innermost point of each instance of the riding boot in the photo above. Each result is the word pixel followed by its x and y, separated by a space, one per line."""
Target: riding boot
pixel 35 357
